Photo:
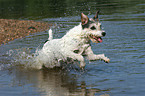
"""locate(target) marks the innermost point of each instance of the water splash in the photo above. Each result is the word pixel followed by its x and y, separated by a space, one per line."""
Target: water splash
pixel 25 58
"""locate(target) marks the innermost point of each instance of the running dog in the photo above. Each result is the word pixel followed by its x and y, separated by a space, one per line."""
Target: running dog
pixel 74 45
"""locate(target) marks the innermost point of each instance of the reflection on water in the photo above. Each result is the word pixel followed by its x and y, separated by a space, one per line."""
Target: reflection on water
pixel 54 82
pixel 123 21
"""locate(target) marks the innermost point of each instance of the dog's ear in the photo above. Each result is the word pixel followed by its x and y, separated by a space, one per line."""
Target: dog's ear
pixel 96 16
pixel 84 19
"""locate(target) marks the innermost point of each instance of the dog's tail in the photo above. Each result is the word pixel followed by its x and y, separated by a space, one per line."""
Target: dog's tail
pixel 50 34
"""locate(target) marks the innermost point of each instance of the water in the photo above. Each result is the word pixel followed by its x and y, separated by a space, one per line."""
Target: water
pixel 124 23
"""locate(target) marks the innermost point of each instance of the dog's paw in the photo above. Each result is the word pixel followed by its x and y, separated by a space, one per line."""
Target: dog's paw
pixel 106 60
pixel 82 65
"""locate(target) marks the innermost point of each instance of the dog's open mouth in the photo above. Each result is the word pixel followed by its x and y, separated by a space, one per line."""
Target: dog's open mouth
pixel 96 39
pixel 99 39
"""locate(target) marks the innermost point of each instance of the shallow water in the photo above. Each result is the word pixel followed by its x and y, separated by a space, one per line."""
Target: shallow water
pixel 124 23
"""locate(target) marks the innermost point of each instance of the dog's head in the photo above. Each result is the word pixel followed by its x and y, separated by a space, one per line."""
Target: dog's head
pixel 92 27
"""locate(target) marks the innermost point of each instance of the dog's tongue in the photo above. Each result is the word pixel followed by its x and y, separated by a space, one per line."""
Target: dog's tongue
pixel 99 39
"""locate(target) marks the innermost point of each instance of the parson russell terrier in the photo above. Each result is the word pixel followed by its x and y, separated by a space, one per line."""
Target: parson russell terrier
pixel 74 45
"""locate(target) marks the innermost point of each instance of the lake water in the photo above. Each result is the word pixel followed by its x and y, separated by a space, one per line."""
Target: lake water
pixel 124 44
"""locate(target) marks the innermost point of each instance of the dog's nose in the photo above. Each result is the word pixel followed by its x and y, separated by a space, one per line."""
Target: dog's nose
pixel 103 33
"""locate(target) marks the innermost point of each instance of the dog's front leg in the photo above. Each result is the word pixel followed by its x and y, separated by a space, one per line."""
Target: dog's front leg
pixel 78 57
pixel 91 56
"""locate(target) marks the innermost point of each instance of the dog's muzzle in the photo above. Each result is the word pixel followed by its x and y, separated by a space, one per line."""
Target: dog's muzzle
pixel 97 39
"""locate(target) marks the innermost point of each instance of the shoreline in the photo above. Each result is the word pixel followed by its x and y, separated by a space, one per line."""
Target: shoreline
pixel 11 29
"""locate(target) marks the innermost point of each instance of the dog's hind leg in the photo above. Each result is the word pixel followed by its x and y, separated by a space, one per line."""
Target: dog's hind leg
pixel 92 57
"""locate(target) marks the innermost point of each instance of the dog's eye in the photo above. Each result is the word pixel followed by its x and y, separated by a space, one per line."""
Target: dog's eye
pixel 93 28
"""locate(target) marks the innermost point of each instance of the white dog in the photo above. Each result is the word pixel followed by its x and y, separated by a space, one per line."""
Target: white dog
pixel 75 44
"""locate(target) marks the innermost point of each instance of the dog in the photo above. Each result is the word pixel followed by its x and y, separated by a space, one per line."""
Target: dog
pixel 74 45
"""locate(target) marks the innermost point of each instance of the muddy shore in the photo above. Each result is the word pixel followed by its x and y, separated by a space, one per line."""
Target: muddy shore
pixel 12 29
